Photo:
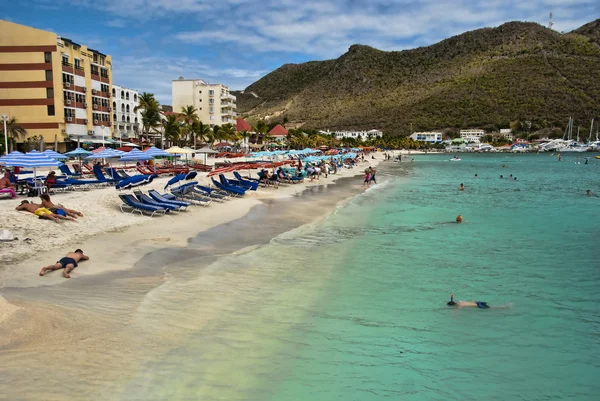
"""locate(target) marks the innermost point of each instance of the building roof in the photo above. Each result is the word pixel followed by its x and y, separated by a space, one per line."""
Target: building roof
pixel 242 125
pixel 278 130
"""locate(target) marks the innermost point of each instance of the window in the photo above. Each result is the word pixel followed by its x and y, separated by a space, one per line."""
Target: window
pixel 211 109
pixel 115 117
pixel 127 97
pixel 79 98
pixel 95 58
pixel 211 92
pixel 50 109
pixel 104 88
pixel 47 57
pixel 211 101
pixel 128 108
pixel 94 69
pixel 103 72
pixel 67 78
pixel 78 64
pixel 101 60
pixel 122 94
pixel 65 59
pixel 127 118
pixel 114 105
pixel 48 75
pixel 134 97
pixel 123 118
pixel 122 108
pixel 49 93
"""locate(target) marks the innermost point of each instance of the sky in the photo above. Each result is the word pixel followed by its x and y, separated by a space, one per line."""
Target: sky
pixel 236 42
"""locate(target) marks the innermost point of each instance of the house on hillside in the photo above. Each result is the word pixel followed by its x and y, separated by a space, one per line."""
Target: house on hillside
pixel 432 137
pixel 279 133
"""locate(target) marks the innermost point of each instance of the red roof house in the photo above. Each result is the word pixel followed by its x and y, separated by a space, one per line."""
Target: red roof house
pixel 242 125
pixel 278 130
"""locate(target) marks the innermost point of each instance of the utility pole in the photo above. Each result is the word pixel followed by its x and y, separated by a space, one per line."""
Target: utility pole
pixel 550 22
pixel 5 118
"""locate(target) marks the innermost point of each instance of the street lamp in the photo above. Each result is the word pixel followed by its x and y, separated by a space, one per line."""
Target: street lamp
pixel 5 118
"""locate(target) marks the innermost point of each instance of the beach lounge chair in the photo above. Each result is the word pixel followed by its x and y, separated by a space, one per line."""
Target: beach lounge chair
pixel 142 197
pixel 123 174
pixel 238 183
pixel 67 171
pixel 130 202
pixel 233 190
pixel 186 193
pixel 113 173
pixel 212 193
pixel 240 177
pixel 102 178
pixel 154 194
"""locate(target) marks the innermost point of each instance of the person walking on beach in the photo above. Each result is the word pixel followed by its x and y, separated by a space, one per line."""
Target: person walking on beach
pixel 372 171
pixel 367 180
pixel 68 263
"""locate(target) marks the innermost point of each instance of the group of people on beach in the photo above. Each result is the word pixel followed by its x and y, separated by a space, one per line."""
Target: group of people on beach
pixel 47 210
pixel 369 177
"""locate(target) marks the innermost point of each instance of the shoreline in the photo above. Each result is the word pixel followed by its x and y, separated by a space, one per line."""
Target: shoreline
pixel 116 247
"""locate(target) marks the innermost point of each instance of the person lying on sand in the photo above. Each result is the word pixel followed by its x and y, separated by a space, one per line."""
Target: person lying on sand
pixel 41 212
pixel 68 263
pixel 60 209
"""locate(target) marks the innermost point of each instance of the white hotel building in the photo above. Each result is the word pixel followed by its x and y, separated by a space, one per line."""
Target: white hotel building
pixel 213 102
pixel 362 135
pixel 432 137
pixel 127 122
pixel 472 135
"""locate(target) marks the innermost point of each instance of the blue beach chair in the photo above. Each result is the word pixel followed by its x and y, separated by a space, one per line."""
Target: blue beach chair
pixel 130 202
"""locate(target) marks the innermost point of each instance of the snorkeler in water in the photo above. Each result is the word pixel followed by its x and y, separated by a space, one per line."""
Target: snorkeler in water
pixel 475 304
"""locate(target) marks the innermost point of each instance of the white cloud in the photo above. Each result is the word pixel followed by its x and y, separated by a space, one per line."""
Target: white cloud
pixel 116 23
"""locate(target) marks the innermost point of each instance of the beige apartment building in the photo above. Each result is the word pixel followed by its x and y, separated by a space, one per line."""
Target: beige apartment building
pixel 215 105
pixel 55 88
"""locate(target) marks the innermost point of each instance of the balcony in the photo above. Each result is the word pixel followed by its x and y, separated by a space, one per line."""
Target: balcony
pixel 229 97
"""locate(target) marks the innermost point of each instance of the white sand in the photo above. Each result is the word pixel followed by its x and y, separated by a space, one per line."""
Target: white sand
pixel 116 240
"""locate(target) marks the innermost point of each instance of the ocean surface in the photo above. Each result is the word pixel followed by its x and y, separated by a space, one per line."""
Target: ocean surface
pixel 352 306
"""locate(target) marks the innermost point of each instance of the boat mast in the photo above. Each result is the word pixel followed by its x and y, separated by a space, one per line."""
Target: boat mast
pixel 578 134
pixel 567 129
pixel 591 129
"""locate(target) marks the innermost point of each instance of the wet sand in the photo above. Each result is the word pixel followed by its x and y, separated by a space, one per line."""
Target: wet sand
pixel 88 338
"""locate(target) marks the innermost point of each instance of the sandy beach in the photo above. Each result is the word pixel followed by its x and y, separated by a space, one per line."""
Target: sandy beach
pixel 116 240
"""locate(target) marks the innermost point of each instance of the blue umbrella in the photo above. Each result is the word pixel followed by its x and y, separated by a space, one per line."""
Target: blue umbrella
pixel 10 155
pixel 54 155
pixel 107 153
pixel 154 151
pixel 135 181
pixel 175 179
pixel 136 155
pixel 32 159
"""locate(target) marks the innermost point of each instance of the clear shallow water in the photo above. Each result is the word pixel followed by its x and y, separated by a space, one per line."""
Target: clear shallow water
pixel 353 307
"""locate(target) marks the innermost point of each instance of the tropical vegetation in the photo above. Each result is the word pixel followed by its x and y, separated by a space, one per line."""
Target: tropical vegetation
pixel 14 132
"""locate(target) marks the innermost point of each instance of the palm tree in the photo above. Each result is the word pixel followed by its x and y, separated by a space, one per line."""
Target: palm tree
pixel 200 131
pixel 188 113
pixel 172 129
pixel 149 104
pixel 14 131
pixel 228 132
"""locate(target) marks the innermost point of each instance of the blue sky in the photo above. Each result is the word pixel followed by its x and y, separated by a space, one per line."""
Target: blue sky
pixel 235 42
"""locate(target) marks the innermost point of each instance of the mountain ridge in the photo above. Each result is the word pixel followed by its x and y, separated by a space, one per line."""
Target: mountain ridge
pixel 486 77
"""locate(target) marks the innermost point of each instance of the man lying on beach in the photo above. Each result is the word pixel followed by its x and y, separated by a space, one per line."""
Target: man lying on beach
pixel 41 212
pixel 68 263
pixel 60 209
pixel 474 304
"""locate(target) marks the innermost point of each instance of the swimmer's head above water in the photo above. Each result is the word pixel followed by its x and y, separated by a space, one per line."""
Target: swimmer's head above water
pixel 451 303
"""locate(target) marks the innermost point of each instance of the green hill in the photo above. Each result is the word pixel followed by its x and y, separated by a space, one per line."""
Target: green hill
pixel 483 78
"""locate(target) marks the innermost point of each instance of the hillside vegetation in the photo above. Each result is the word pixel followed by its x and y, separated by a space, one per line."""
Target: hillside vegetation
pixel 483 78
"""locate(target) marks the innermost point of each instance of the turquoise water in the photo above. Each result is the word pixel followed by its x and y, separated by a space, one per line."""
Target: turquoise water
pixel 353 307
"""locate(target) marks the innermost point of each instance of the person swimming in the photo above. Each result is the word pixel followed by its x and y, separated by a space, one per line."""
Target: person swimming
pixel 462 304
pixel 459 219
pixel 461 187
pixel 501 176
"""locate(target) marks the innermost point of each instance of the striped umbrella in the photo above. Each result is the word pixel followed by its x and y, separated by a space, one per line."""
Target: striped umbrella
pixel 54 155
pixel 78 153
pixel 155 152
pixel 107 153
pixel 136 155
pixel 10 156
pixel 32 159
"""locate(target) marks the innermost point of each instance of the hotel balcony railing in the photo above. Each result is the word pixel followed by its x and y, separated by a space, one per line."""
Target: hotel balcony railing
pixel 66 63
pixel 228 97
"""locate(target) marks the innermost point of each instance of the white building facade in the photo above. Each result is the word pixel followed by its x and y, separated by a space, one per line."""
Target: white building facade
pixel 507 133
pixel 127 121
pixel 433 137
pixel 213 102
pixel 472 135
pixel 362 135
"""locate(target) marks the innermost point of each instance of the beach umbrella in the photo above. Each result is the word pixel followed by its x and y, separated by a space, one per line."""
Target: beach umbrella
pixel 135 181
pixel 10 155
pixel 33 160
pixel 54 155
pixel 136 155
pixel 78 153
pixel 156 152
pixel 175 180
pixel 107 153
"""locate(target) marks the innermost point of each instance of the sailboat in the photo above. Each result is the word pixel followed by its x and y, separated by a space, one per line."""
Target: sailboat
pixel 569 145
pixel 594 145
